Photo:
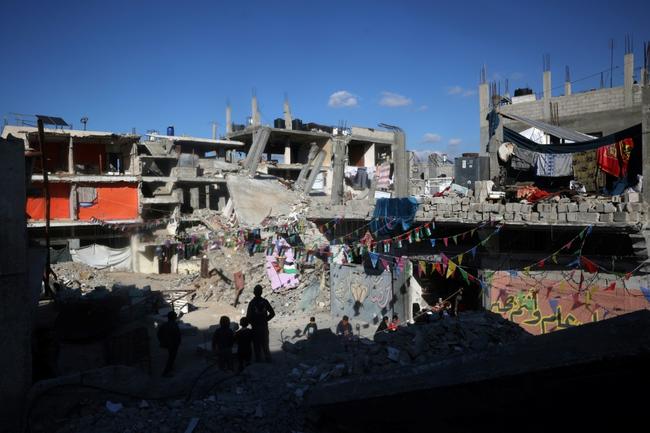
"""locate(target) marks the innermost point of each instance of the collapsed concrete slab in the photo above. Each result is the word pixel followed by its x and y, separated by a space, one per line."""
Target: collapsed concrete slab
pixel 255 199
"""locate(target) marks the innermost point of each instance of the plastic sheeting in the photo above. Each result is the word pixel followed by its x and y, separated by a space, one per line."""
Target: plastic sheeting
pixel 391 211
pixel 100 256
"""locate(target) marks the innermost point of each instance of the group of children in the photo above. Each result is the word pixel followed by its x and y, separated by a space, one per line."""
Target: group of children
pixel 223 340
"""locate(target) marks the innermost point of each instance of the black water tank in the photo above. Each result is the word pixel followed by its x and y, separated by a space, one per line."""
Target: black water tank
pixel 524 91
pixel 279 123
pixel 296 124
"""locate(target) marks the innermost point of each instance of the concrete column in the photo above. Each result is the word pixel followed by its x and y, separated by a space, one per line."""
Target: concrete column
pixel 567 88
pixel 73 201
pixel 255 114
pixel 313 150
pixel 484 108
pixel 194 198
pixel 287 151
pixel 135 254
pixel 493 148
pixel 287 115
pixel 645 133
pixel 17 301
pixel 642 77
pixel 207 196
pixel 228 119
pixel 547 96
pixel 315 169
pixel 547 85
pixel 628 79
pixel 338 169
pixel 400 159
pixel 260 138
pixel 71 156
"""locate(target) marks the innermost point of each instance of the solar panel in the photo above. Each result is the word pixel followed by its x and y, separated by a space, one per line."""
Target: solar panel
pixel 51 120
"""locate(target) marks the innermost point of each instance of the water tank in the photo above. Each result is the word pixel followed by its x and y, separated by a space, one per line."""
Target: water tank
pixel 523 91
pixel 278 123
pixel 170 131
pixel 296 124
pixel 469 169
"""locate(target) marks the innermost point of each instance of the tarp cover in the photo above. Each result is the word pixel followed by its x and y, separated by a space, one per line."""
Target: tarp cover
pixel 100 256
pixel 633 132
pixel 393 211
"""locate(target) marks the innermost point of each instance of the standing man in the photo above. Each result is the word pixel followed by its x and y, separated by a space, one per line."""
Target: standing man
pixel 259 313
pixel 169 337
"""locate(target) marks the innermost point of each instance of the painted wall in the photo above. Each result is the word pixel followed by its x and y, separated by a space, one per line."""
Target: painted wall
pixel 59 202
pixel 115 201
pixel 367 298
pixel 543 302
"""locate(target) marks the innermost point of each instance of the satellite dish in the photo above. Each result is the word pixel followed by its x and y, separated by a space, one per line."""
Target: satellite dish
pixel 505 152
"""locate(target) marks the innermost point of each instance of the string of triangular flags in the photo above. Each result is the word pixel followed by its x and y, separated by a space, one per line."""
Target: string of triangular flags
pixel 131 227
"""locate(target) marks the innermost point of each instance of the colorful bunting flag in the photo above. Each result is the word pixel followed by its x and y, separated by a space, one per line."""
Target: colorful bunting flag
pixel 451 268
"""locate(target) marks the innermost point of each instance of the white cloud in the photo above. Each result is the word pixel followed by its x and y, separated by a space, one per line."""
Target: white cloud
pixel 460 91
pixel 390 99
pixel 455 141
pixel 431 138
pixel 422 108
pixel 343 98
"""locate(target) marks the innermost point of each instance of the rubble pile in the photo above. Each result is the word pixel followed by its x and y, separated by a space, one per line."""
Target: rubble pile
pixel 410 345
pixel 255 401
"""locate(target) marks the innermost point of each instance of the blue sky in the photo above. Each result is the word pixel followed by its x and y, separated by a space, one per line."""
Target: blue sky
pixel 147 65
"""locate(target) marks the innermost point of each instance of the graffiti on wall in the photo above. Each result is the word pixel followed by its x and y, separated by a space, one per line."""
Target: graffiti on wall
pixel 356 294
pixel 542 305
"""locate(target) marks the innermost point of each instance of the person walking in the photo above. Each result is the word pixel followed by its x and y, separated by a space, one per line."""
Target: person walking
pixel 259 313
pixel 169 337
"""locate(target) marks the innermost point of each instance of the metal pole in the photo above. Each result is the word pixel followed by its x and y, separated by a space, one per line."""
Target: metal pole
pixel 46 193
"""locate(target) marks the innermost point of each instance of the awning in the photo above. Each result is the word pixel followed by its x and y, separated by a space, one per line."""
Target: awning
pixel 633 132
pixel 556 131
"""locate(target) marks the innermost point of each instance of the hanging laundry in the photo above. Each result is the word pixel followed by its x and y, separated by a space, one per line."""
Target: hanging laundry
pixel 586 171
pixel 383 176
pixel 614 159
pixel 554 165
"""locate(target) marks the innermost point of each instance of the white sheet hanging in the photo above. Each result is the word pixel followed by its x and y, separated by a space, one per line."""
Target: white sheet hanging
pixel 100 256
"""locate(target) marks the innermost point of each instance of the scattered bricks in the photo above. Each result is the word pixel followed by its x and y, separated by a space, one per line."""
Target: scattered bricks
pixel 584 207
pixel 561 217
pixel 572 207
pixel 563 207
pixel 588 217
pixel 631 197
pixel 572 217
pixel 609 208
pixel 621 217
pixel 606 217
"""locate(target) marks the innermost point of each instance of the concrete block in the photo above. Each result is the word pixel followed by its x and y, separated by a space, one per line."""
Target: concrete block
pixel 456 208
pixel 606 217
pixel 616 199
pixel 572 207
pixel 609 208
pixel 518 217
pixel 631 197
pixel 599 207
pixel 509 216
pixel 588 217
pixel 621 217
pixel 563 207
pixel 584 206
pixel 572 217
pixel 633 207
pixel 510 207
pixel 534 216
pixel 561 217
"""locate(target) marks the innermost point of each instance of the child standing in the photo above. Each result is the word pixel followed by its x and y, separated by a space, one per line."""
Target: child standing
pixel 244 340
pixel 222 342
